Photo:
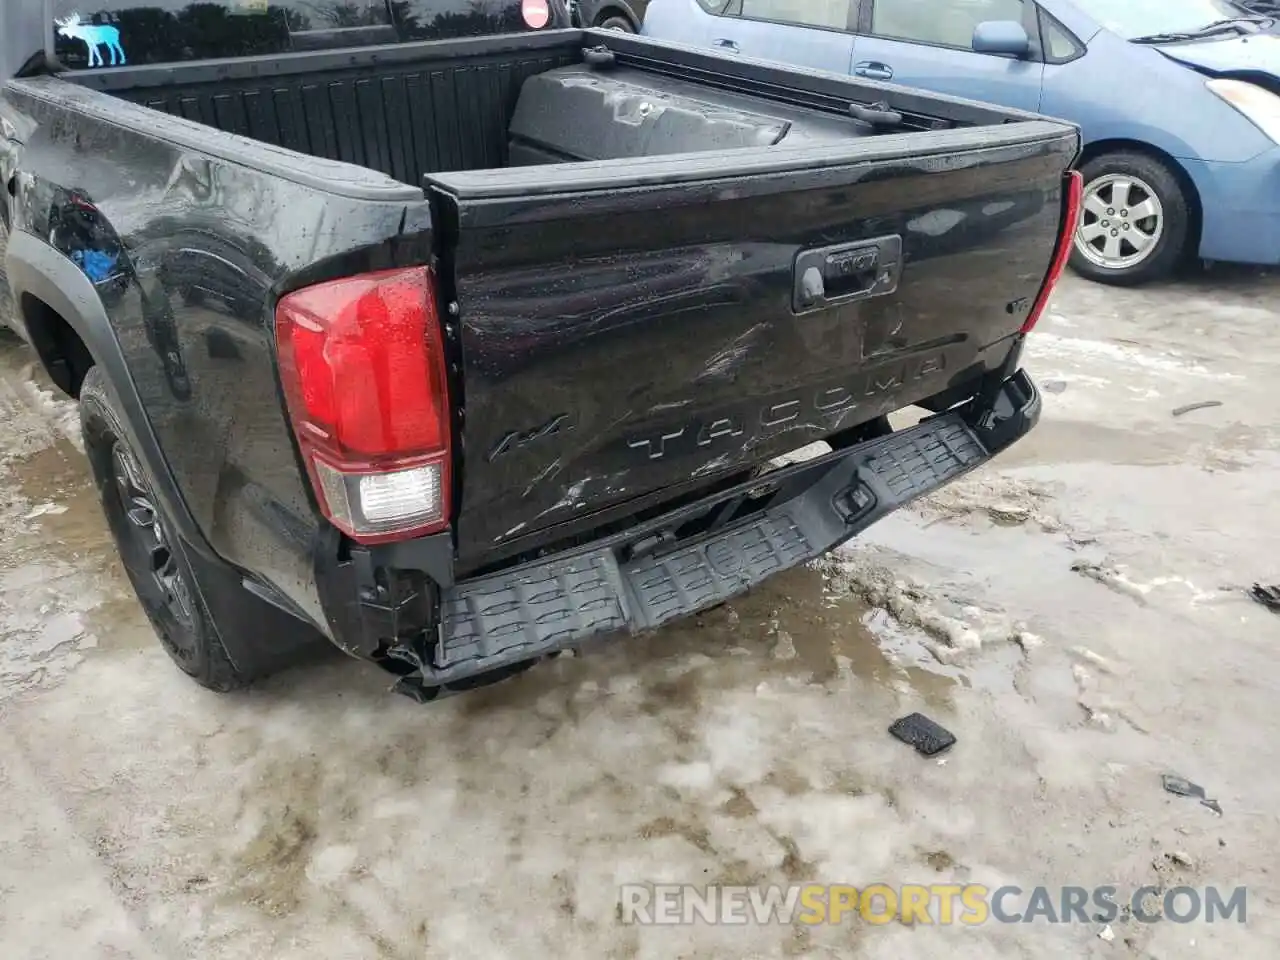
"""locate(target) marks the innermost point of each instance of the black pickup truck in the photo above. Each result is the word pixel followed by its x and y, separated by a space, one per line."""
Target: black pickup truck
pixel 458 351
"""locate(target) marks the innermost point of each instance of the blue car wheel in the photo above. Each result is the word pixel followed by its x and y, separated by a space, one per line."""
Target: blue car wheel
pixel 1135 220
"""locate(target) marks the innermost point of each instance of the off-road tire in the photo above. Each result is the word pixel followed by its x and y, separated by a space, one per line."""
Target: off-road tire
pixel 195 645
pixel 616 21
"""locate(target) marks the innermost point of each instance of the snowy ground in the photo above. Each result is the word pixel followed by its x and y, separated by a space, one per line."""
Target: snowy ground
pixel 1074 613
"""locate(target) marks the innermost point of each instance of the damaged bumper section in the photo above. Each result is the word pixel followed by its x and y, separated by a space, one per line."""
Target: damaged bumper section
pixel 688 560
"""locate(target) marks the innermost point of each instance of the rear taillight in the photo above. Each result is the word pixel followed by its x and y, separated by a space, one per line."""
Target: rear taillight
pixel 1073 191
pixel 363 370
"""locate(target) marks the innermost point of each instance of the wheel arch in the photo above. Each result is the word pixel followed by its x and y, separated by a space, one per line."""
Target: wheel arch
pixel 61 307
pixel 67 325
pixel 1097 148
pixel 616 9
pixel 61 350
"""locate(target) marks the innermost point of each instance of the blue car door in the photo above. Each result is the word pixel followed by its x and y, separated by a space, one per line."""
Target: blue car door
pixel 807 33
pixel 930 45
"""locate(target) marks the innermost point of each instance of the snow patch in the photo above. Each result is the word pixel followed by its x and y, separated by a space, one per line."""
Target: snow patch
pixel 1117 578
pixel 1165 362
pixel 62 412
pixel 953 628
pixel 1005 500
pixel 808 452
pixel 47 509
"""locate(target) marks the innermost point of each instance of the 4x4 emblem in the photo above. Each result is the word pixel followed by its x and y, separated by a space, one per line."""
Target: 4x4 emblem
pixel 516 440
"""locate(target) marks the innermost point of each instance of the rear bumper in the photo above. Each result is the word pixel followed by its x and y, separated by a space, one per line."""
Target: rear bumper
pixel 614 586
pixel 1241 208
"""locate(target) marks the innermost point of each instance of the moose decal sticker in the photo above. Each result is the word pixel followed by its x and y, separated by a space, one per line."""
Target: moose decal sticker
pixel 94 37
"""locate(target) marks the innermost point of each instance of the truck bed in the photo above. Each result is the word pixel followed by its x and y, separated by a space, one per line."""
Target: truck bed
pixel 418 109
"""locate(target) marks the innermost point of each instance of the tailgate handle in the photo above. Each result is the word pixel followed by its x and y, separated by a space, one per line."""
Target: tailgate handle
pixel 845 272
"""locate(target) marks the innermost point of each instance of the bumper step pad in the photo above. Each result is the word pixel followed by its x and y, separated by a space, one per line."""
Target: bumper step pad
pixel 537 609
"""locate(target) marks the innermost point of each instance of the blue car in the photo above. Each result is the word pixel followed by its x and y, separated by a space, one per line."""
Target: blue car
pixel 1178 100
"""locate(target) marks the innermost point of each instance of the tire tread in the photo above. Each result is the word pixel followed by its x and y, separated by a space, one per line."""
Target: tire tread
pixel 1171 247
pixel 212 667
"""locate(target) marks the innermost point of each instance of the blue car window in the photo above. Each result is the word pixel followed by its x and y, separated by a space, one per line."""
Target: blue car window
pixel 1059 45
pixel 947 23
pixel 831 14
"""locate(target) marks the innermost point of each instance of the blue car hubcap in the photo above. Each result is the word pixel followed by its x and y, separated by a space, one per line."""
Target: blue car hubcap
pixel 1121 222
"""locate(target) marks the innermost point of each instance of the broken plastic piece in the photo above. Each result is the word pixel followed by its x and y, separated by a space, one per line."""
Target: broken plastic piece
pixel 1202 405
pixel 1182 788
pixel 917 730
pixel 415 689
pixel 1268 596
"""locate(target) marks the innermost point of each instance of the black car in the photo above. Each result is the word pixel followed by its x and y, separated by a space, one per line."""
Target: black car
pixel 625 15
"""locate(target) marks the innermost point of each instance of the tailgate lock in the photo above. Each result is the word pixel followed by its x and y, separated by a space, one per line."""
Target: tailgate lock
pixel 828 276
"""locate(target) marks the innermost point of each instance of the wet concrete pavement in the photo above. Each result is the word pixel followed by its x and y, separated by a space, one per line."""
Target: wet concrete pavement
pixel 1074 613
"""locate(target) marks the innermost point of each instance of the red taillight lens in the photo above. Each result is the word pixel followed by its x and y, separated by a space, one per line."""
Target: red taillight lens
pixel 363 370
pixel 1073 189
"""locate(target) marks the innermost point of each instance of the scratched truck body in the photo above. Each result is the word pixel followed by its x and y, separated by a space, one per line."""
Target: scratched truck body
pixel 363 359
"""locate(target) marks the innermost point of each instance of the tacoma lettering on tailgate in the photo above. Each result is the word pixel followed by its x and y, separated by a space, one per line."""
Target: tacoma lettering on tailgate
pixel 826 402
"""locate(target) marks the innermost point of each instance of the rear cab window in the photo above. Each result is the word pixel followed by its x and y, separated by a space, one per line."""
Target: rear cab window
pixel 92 35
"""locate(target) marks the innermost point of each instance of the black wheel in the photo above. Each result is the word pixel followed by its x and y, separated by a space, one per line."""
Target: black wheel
pixel 616 21
pixel 152 554
pixel 1135 221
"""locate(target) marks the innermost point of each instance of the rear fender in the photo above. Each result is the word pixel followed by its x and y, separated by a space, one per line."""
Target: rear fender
pixel 38 270
pixel 242 618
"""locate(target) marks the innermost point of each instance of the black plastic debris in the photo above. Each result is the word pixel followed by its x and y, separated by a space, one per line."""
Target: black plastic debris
pixel 918 731
pixel 1202 405
pixel 1268 596
pixel 1181 787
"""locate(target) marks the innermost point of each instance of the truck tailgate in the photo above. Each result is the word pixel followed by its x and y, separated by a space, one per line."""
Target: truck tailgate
pixel 628 327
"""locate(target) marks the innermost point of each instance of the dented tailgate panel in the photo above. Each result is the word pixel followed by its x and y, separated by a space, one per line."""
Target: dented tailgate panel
pixel 620 342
